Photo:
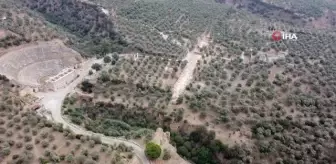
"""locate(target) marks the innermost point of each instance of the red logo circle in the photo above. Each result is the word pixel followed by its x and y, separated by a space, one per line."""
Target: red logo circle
pixel 276 36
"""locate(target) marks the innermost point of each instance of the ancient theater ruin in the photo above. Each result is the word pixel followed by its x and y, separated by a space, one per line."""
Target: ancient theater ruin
pixel 62 79
pixel 43 66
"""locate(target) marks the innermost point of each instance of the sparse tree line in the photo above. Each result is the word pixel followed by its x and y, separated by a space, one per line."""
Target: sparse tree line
pixel 20 27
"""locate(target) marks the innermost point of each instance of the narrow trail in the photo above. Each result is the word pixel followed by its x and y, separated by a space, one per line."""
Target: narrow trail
pixel 187 74
pixel 53 102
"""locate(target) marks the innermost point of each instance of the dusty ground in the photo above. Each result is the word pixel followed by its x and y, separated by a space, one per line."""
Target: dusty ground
pixel 187 74
pixel 2 34
pixel 325 21
pixel 272 55
pixel 273 71
pixel 240 136
pixel 231 138
pixel 20 63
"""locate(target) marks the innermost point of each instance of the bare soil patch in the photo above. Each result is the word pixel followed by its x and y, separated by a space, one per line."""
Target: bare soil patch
pixel 2 33
pixel 187 74
pixel 328 20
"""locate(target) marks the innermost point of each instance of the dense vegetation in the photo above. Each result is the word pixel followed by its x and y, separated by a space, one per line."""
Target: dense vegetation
pixel 87 21
pixel 28 138
pixel 268 11
pixel 314 8
pixel 172 27
pixel 118 103
pixel 201 147
pixel 114 119
pixel 279 95
pixel 287 102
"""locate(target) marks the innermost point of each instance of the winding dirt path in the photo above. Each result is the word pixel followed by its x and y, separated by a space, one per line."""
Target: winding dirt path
pixel 53 101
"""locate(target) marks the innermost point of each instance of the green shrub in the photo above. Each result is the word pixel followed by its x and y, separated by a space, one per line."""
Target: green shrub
pixel 96 67
pixel 107 59
pixel 153 150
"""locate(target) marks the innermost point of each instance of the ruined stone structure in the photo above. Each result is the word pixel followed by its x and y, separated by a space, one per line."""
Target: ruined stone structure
pixel 41 66
pixel 62 79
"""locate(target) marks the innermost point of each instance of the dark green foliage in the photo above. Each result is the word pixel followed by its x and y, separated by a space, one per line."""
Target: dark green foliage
pixel 73 14
pixel 201 147
pixel 85 20
pixel 153 150
pixel 113 62
pixel 115 56
pixel 104 77
pixel 86 86
pixel 107 59
pixel 179 100
pixel 113 119
pixel 96 67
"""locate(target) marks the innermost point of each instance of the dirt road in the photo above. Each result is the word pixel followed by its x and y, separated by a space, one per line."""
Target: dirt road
pixel 187 73
pixel 53 101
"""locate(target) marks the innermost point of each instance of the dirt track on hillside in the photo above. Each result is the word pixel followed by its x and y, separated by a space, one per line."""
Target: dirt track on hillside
pixel 187 74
